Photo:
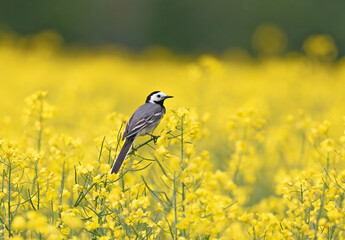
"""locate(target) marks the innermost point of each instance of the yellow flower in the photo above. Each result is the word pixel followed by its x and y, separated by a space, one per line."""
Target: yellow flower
pixel 97 179
pixel 246 218
pixel 16 237
pixel 190 150
pixel 172 122
pixel 105 168
pixel 327 145
pixel 65 231
pixel 159 208
pixel 92 224
pixel 184 223
pixel 104 238
pixel 144 201
pixel 322 222
pixel 19 223
pixel 71 221
pixel 84 169
pixel 77 187
pixel 66 194
pixel 14 195
pixel 163 139
pixel 37 222
pixel 51 194
pixel 181 112
pixel 161 150
pixel 118 232
pixel 139 213
pixel 166 179
pixel 240 146
pixel 324 127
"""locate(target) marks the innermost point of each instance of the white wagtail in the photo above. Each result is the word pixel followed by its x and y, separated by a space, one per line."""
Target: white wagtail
pixel 143 121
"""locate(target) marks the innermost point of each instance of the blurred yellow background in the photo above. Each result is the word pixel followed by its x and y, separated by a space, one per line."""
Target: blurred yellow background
pixel 271 124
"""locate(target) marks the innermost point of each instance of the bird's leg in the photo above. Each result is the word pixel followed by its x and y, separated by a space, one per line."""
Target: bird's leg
pixel 154 138
pixel 133 150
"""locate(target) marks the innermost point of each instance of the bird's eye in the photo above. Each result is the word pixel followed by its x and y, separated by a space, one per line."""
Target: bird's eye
pixel 158 95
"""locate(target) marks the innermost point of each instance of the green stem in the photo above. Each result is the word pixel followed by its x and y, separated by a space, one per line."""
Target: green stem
pixel 100 152
pixel 52 211
pixel 9 198
pixel 62 184
pixel 38 196
pixel 302 200
pixel 38 150
pixel 320 211
pixel 183 186
pixel 122 180
pixel 175 208
pixel 327 166
pixel 39 139
pixel 141 145
pixel 3 208
pixel 35 178
pixel 183 209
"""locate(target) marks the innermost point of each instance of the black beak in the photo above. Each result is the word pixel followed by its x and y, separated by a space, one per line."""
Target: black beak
pixel 167 96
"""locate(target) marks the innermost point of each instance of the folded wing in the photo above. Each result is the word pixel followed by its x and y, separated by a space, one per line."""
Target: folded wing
pixel 141 119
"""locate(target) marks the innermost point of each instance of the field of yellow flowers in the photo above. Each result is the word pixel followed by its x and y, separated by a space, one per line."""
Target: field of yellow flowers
pixel 248 149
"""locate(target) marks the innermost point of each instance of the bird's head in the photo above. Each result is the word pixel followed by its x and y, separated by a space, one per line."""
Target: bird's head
pixel 157 97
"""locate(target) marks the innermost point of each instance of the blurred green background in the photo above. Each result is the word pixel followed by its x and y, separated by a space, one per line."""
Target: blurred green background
pixel 184 26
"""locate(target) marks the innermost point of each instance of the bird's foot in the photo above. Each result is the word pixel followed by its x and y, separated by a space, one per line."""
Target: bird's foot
pixel 134 150
pixel 154 138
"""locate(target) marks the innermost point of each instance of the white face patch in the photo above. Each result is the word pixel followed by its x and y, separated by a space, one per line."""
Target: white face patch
pixel 157 97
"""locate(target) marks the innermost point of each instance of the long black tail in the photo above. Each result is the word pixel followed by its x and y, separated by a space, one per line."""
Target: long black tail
pixel 122 155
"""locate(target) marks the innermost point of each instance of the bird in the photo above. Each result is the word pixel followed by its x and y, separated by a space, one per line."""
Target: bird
pixel 143 121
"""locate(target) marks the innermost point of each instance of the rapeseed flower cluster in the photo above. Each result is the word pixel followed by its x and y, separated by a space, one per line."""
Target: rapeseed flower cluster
pixel 248 149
